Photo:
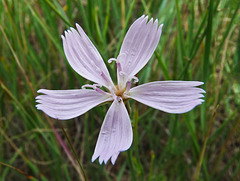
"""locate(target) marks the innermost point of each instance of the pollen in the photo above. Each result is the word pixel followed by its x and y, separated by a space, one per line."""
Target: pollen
pixel 119 92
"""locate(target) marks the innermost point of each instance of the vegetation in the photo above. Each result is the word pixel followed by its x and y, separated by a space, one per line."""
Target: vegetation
pixel 200 41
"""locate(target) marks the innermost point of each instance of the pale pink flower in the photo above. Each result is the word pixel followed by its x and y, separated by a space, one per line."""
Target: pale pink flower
pixel 137 48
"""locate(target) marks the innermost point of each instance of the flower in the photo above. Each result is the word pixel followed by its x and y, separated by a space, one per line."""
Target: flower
pixel 137 48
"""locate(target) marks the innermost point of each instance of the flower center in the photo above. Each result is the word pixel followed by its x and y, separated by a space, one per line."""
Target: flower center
pixel 119 92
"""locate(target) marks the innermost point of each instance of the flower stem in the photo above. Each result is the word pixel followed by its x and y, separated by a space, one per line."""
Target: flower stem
pixel 135 135
pixel 129 152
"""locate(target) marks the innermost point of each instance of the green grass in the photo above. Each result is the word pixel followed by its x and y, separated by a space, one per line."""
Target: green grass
pixel 200 41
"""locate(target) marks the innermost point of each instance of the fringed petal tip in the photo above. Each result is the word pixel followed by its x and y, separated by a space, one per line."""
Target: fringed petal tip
pixel 37 106
pixel 67 104
pixel 200 83
pixel 115 135
pixel 174 97
pixel 203 92
pixel 102 160
pixel 139 44
pixel 83 56
pixel 40 91
pixel 151 20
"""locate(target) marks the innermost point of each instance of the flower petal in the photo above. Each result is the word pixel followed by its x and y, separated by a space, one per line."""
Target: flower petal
pixel 84 57
pixel 67 104
pixel 139 44
pixel 169 96
pixel 116 134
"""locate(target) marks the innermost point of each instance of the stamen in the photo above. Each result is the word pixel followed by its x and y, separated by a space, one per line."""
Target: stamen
pixel 117 62
pixel 135 79
pixel 128 86
pixel 112 91
pixel 100 91
pixel 111 60
pixel 95 87
pixel 122 79
pixel 115 97
pixel 119 67
pixel 100 72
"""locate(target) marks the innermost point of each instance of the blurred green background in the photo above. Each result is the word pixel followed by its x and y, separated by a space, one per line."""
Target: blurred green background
pixel 200 41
